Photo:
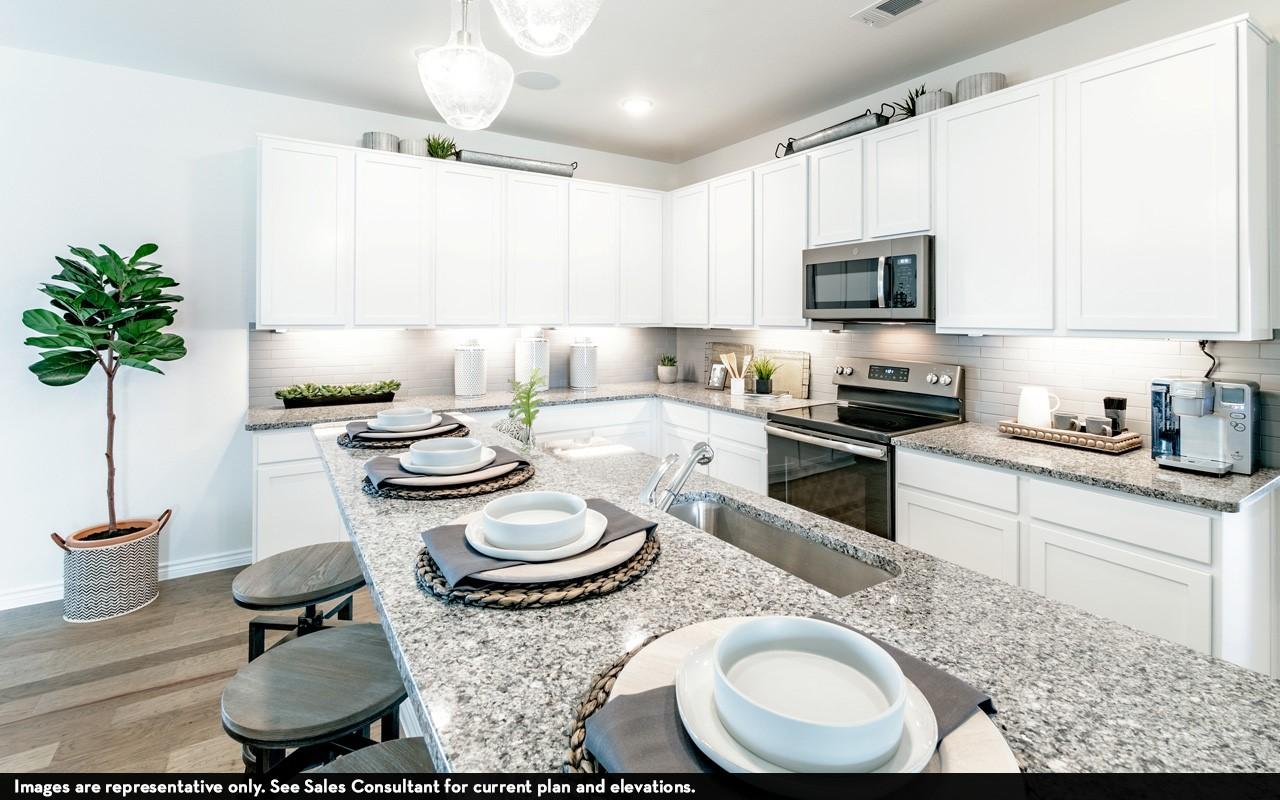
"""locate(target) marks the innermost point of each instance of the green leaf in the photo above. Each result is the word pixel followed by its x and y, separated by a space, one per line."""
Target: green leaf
pixel 64 368
pixel 138 363
pixel 52 341
pixel 147 283
pixel 169 347
pixel 142 252
pixel 77 273
pixel 138 329
pixel 42 320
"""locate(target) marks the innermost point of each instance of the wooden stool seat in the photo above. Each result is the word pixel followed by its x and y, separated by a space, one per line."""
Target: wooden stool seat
pixel 398 755
pixel 300 577
pixel 313 689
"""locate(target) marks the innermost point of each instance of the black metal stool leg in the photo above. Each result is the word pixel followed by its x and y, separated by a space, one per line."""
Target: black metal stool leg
pixel 344 609
pixel 390 728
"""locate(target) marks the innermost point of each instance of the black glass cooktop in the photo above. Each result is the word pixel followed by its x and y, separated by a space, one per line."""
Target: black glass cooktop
pixel 859 421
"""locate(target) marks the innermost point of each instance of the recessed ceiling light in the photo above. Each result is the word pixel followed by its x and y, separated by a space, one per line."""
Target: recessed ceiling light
pixel 636 106
pixel 533 79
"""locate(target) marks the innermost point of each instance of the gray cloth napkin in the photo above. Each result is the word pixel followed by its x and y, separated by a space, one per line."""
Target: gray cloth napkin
pixel 361 430
pixel 448 546
pixel 643 732
pixel 387 469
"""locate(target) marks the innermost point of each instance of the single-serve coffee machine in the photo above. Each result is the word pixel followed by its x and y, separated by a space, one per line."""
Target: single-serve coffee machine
pixel 1206 426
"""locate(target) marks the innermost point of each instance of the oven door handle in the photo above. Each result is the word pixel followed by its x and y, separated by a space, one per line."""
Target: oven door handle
pixel 830 444
pixel 880 269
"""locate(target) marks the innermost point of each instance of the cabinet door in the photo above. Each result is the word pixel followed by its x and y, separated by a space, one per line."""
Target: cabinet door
pixel 469 236
pixel 1152 160
pixel 306 201
pixel 689 256
pixel 730 254
pixel 899 192
pixel 593 254
pixel 1146 593
pixel 681 441
pixel 982 539
pixel 835 194
pixel 537 249
pixel 394 219
pixel 994 205
pixel 782 199
pixel 740 465
pixel 294 506
pixel 640 257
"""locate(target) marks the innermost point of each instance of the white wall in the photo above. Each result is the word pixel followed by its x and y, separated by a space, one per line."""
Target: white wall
pixel 92 153
pixel 1112 30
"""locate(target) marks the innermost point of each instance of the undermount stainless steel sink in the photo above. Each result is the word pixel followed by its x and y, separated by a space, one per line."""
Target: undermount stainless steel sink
pixel 828 569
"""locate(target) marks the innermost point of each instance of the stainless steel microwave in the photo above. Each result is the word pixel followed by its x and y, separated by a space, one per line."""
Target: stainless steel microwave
pixel 886 280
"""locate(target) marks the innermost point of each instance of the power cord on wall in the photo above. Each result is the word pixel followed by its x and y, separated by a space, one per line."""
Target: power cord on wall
pixel 1204 348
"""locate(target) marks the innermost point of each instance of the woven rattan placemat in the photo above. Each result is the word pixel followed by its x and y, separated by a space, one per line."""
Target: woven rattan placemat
pixel 576 758
pixel 345 440
pixel 514 478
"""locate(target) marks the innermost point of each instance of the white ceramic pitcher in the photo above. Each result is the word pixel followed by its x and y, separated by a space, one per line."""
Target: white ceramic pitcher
pixel 1034 408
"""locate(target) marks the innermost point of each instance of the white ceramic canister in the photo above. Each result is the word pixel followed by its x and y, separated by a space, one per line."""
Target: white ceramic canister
pixel 470 374
pixel 582 364
pixel 533 352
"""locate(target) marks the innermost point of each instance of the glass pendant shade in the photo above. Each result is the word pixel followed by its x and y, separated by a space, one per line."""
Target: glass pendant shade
pixel 546 27
pixel 466 83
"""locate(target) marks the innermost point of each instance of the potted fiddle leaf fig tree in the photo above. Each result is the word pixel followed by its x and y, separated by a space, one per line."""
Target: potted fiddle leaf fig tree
pixel 109 313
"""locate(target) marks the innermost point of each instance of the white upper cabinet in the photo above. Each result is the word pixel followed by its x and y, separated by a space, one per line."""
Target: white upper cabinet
pixel 1152 158
pixel 640 257
pixel 537 249
pixel 394 220
pixel 689 254
pixel 994 205
pixel 730 253
pixel 593 254
pixel 835 194
pixel 781 200
pixel 899 192
pixel 468 255
pixel 306 199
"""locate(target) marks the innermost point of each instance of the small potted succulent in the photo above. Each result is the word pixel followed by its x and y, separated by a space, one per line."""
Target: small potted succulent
pixel 440 146
pixel 309 395
pixel 764 368
pixel 667 368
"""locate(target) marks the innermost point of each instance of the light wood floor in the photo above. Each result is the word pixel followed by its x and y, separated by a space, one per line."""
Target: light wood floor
pixel 139 693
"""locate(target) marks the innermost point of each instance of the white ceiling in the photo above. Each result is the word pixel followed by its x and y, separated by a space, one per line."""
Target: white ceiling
pixel 719 70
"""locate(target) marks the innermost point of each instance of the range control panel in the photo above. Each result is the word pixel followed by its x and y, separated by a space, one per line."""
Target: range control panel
pixel 922 377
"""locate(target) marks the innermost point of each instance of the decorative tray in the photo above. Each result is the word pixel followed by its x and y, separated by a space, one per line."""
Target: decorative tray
pixel 1115 445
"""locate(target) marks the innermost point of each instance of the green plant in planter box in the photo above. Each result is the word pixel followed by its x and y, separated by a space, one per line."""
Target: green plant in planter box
pixel 111 313
pixel 440 146
pixel 324 391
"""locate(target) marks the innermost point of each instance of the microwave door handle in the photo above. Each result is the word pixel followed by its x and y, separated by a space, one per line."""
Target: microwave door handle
pixel 831 444
pixel 880 270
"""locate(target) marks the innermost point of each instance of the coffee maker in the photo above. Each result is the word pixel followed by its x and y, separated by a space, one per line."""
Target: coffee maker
pixel 1206 426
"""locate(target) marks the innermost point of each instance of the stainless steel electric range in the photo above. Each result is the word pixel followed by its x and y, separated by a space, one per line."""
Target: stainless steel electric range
pixel 836 459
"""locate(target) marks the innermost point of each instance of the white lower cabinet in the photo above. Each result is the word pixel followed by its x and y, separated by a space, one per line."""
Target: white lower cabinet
pixel 738 443
pixel 1143 591
pixel 740 465
pixel 1193 576
pixel 983 539
pixel 293 502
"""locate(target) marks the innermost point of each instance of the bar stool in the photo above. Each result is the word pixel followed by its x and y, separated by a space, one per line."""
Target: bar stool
pixel 317 695
pixel 300 578
pixel 401 755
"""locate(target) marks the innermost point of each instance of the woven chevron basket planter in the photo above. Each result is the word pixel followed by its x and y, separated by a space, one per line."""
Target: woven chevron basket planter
pixel 108 578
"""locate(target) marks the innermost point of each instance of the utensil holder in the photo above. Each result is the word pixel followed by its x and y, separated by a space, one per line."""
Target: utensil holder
pixel 737 386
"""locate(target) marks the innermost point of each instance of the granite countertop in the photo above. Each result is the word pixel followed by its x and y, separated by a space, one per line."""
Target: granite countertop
pixel 1132 472
pixel 497 689
pixel 261 418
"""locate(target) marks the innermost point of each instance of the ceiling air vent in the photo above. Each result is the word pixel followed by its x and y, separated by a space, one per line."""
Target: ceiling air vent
pixel 877 15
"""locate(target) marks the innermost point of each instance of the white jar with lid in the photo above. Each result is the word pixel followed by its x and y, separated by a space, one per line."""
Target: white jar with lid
pixel 470 373
pixel 582 364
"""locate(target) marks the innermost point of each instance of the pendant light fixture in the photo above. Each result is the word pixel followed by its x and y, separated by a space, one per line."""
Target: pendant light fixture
pixel 546 27
pixel 467 84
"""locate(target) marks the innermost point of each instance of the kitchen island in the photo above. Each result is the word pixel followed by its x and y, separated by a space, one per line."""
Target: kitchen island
pixel 496 690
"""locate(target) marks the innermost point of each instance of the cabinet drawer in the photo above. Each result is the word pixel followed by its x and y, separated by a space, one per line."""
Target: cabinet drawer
pixel 746 430
pixel 982 485
pixel 291 445
pixel 683 416
pixel 1144 592
pixel 576 416
pixel 974 537
pixel 1155 526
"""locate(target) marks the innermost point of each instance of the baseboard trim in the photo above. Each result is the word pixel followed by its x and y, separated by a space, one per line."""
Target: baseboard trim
pixel 181 568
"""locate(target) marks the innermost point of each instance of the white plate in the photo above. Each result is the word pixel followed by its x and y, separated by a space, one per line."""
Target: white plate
pixel 694 682
pixel 591 533
pixel 487 456
pixel 374 425
pixel 607 557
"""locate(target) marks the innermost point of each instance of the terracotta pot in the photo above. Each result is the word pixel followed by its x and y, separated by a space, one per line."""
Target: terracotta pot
pixel 80 539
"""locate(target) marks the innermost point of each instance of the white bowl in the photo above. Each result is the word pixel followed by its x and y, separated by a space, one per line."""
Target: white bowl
pixel 446 452
pixel 397 417
pixel 534 520
pixel 809 695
